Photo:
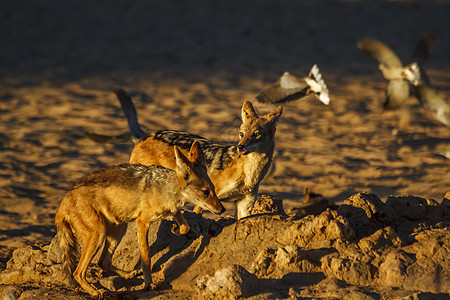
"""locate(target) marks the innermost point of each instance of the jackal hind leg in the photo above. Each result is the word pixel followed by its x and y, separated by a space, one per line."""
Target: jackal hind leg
pixel 244 206
pixel 114 234
pixel 92 237
pixel 183 226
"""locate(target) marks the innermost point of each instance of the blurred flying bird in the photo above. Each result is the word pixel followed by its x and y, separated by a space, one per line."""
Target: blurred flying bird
pixel 399 77
pixel 291 88
pixel 390 65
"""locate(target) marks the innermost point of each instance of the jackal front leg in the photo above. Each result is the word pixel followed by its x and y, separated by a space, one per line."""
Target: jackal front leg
pixel 244 206
pixel 183 226
pixel 198 209
pixel 142 230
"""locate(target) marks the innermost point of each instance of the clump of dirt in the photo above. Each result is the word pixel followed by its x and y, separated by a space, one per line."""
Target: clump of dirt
pixel 362 249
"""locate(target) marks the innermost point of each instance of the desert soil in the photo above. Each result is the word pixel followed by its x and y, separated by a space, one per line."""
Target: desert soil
pixel 189 65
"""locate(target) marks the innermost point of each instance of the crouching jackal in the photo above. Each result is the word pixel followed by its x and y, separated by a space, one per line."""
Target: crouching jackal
pixel 95 212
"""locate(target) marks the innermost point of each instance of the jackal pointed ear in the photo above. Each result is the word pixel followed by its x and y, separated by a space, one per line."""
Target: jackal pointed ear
pixel 196 155
pixel 248 112
pixel 182 166
pixel 275 115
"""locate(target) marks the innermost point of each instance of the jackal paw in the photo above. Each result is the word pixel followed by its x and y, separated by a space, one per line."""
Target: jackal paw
pixel 129 275
pixel 150 287
pixel 97 294
pixel 182 230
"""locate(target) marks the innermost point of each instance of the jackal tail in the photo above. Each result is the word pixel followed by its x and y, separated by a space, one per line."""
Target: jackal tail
pixel 130 113
pixel 68 246
pixel 110 139
pixel 317 85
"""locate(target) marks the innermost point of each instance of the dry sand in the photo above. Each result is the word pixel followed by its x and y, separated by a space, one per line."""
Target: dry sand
pixel 190 65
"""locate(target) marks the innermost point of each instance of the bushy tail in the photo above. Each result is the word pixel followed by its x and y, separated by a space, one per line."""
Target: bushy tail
pixel 130 113
pixel 317 84
pixel 110 139
pixel 67 244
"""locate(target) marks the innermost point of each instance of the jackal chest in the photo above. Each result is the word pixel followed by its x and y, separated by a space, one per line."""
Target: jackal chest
pixel 241 179
pixel 229 189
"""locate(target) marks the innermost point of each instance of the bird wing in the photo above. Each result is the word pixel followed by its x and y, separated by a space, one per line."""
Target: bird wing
pixel 380 52
pixel 421 53
pixel 434 102
pixel 290 82
pixel 286 88
pixel 423 48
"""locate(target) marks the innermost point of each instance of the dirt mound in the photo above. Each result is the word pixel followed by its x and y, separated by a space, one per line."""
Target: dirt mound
pixel 362 249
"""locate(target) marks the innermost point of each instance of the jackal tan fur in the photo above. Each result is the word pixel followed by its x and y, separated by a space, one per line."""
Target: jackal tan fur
pixel 95 212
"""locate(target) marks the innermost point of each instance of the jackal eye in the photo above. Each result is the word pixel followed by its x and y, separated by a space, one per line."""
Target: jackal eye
pixel 205 192
pixel 257 134
pixel 241 134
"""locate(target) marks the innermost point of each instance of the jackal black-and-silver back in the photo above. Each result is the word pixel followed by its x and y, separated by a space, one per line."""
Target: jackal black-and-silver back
pixel 127 176
pixel 217 156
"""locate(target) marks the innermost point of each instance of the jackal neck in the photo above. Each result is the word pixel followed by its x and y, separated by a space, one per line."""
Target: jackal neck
pixel 257 164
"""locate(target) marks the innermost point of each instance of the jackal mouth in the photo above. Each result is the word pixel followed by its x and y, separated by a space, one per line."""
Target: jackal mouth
pixel 242 150
pixel 214 209
pixel 220 211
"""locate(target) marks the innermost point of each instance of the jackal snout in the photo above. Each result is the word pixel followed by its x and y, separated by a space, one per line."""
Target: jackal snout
pixel 251 142
pixel 214 204
pixel 256 133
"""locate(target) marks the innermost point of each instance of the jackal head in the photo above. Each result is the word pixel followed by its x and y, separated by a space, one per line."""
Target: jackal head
pixel 194 181
pixel 257 133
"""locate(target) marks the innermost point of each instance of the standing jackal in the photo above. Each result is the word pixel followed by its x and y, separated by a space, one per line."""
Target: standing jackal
pixel 96 210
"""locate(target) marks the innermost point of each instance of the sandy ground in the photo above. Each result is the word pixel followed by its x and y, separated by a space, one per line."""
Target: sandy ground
pixel 190 65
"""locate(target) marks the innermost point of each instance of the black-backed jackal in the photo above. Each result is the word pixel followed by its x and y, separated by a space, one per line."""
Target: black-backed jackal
pixel 95 212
